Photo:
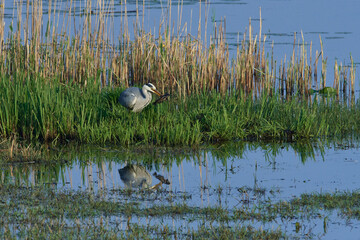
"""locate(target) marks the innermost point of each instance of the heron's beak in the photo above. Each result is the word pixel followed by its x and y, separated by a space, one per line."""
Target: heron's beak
pixel 156 92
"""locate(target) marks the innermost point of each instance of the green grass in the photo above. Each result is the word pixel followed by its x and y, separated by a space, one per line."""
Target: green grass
pixel 347 202
pixel 56 112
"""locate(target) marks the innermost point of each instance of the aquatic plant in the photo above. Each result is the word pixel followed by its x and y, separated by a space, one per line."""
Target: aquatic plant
pixel 48 213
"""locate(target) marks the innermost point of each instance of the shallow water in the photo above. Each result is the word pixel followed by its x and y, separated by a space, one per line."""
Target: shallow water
pixel 227 176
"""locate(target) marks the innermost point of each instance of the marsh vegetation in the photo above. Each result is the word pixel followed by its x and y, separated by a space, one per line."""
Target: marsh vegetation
pixel 80 194
pixel 61 73
pixel 54 112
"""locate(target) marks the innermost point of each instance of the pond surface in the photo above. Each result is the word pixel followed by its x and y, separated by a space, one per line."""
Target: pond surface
pixel 230 176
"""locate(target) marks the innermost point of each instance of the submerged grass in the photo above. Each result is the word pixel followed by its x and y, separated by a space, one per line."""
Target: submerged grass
pixel 57 112
pixel 45 212
pixel 347 202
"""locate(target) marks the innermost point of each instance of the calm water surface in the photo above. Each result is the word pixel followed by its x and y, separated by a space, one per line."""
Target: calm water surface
pixel 238 176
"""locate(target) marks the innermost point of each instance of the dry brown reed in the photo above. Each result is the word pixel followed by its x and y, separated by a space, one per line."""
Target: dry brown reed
pixel 352 76
pixel 336 78
pixel 175 61
pixel 12 149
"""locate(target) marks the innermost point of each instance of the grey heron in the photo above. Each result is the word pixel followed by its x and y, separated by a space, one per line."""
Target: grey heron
pixel 135 176
pixel 136 99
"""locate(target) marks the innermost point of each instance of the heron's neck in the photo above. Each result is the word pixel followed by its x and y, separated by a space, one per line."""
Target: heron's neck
pixel 145 93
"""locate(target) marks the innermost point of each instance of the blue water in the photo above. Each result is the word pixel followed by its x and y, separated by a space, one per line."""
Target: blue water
pixel 332 20
pixel 258 172
pixel 245 176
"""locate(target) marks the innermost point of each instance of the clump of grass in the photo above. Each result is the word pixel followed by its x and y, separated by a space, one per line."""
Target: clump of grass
pixel 13 150
pixel 41 110
pixel 347 202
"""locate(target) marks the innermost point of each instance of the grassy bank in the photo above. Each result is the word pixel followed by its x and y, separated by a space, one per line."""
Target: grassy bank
pixel 51 111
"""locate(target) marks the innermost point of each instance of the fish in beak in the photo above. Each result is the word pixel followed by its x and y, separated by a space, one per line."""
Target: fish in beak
pixel 156 92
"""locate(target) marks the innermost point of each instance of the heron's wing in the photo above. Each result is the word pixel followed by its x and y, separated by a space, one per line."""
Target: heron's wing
pixel 135 176
pixel 128 99
pixel 126 174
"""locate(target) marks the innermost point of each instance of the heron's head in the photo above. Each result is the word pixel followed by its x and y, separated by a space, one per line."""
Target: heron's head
pixel 150 87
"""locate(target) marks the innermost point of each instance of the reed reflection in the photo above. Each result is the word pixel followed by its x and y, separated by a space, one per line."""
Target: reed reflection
pixel 95 170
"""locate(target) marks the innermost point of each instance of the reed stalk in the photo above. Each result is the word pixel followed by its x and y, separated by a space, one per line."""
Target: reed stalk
pixel 336 78
pixel 352 76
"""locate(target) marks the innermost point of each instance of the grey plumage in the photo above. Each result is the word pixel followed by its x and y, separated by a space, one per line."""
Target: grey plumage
pixel 136 99
pixel 135 176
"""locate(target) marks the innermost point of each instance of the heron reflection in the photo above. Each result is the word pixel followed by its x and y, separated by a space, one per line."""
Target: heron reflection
pixel 135 176
pixel 161 178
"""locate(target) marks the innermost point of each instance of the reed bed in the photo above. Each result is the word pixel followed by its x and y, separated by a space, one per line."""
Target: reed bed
pixel 86 50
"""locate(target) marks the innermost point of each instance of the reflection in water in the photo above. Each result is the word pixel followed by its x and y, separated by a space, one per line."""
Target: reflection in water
pixel 93 169
pixel 161 178
pixel 230 176
pixel 135 176
pixel 30 174
pixel 198 173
